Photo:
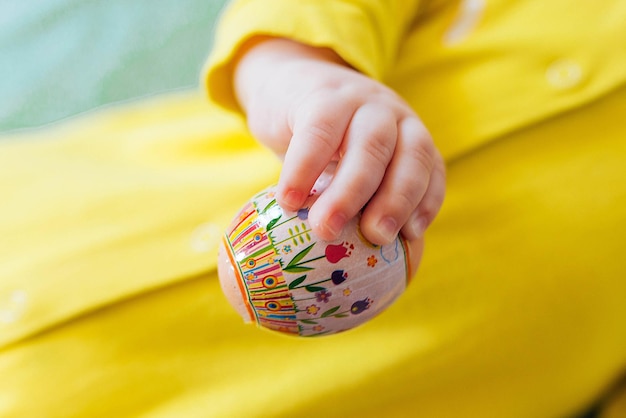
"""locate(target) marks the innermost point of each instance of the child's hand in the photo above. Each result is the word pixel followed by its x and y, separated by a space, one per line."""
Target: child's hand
pixel 308 106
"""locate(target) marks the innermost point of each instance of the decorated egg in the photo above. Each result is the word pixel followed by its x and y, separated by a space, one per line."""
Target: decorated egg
pixel 276 272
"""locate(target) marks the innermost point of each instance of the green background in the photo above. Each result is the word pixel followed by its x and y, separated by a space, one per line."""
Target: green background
pixel 59 58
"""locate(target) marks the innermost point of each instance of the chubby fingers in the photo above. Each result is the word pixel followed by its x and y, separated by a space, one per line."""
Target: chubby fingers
pixel 430 204
pixel 317 132
pixel 415 253
pixel 388 166
pixel 412 190
pixel 365 153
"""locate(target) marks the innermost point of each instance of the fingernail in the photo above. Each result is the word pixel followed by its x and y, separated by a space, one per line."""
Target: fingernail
pixel 418 226
pixel 336 223
pixel 293 199
pixel 387 228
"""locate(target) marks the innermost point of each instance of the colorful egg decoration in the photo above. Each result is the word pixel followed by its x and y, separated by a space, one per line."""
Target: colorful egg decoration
pixel 276 272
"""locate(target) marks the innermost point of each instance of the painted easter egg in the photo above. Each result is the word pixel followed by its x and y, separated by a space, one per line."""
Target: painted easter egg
pixel 276 272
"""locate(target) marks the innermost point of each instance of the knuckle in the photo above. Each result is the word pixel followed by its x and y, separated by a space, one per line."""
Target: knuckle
pixel 402 203
pixel 315 123
pixel 431 204
pixel 398 203
pixel 422 152
pixel 378 139
pixel 322 133
pixel 379 150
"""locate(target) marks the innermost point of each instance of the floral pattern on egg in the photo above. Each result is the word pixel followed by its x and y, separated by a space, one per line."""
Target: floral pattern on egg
pixel 291 281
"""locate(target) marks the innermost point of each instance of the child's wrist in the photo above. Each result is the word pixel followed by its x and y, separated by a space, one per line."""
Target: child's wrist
pixel 258 58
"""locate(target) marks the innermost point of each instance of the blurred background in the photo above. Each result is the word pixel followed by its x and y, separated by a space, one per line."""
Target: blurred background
pixel 59 58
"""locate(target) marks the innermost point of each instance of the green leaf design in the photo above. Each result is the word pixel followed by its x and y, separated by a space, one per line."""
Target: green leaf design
pixel 273 222
pixel 269 205
pixel 341 315
pixel 329 312
pixel 308 321
pixel 314 289
pixel 296 269
pixel 296 282
pixel 300 255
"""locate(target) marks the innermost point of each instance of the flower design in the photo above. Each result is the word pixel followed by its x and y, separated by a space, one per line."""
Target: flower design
pixel 312 309
pixel 303 214
pixel 338 276
pixel 335 252
pixel 318 328
pixel 323 296
pixel 372 260
pixel 360 306
pixel 250 276
pixel 286 249
pixel 347 291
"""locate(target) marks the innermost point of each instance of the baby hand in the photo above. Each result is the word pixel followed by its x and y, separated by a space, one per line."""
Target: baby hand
pixel 312 109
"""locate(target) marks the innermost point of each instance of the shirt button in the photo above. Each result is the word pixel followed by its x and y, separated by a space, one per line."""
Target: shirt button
pixel 564 74
pixel 206 237
pixel 470 14
pixel 12 306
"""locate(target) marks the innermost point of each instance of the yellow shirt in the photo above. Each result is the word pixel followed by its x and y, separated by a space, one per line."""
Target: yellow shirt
pixel 109 301
pixel 473 70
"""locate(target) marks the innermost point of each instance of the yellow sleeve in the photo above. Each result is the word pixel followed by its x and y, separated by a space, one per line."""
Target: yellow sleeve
pixel 615 405
pixel 365 33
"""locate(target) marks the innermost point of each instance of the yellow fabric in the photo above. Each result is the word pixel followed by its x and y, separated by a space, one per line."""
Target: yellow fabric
pixel 112 205
pixel 615 406
pixel 518 309
pixel 109 300
pixel 511 68
pixel 365 32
